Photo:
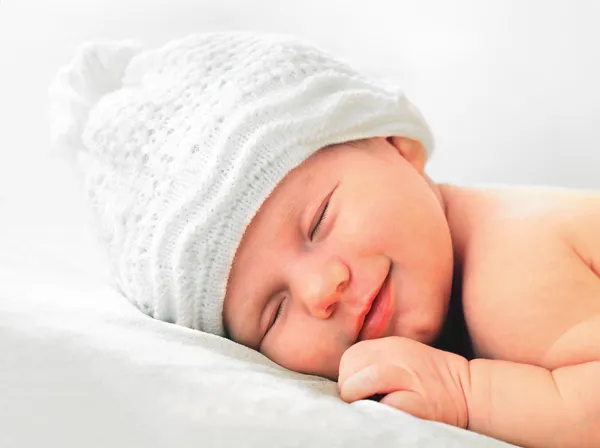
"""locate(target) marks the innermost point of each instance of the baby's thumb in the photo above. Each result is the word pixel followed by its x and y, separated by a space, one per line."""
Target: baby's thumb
pixel 408 401
pixel 375 379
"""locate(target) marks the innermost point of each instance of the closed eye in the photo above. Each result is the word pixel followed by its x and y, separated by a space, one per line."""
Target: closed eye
pixel 320 215
pixel 277 314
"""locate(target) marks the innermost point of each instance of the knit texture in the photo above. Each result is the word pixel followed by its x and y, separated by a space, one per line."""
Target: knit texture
pixel 181 145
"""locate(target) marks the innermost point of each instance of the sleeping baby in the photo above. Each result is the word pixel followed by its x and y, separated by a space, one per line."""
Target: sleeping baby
pixel 255 187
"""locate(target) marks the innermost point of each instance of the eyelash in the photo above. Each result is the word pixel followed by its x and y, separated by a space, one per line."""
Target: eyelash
pixel 278 313
pixel 321 218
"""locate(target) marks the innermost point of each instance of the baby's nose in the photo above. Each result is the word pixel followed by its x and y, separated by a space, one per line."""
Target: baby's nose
pixel 322 286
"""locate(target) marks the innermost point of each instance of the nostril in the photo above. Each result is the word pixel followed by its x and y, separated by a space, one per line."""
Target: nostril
pixel 330 309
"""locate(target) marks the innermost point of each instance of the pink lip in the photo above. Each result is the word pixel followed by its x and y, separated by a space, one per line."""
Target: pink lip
pixel 377 313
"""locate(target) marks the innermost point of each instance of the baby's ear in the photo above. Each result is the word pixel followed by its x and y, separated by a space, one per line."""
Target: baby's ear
pixel 412 150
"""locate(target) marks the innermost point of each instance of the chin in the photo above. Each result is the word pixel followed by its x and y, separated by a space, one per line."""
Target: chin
pixel 425 332
pixel 429 336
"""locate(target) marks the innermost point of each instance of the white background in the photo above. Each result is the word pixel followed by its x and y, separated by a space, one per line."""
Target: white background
pixel 511 89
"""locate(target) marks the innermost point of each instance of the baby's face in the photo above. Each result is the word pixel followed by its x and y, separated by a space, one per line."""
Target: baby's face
pixel 351 227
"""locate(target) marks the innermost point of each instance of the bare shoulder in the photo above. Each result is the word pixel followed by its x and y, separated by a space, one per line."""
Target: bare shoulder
pixel 530 259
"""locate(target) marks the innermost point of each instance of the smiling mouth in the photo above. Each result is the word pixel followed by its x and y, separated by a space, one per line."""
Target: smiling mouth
pixel 376 319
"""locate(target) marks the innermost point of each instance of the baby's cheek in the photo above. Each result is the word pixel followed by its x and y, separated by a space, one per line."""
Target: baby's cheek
pixel 310 355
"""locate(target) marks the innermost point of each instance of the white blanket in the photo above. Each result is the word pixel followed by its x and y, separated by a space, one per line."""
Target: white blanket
pixel 81 367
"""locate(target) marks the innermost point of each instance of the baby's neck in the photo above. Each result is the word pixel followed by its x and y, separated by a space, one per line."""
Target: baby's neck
pixel 465 208
pixel 454 336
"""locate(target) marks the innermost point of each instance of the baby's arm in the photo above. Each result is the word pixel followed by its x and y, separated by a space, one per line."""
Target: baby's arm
pixel 547 318
pixel 532 406
pixel 520 403
pixel 555 402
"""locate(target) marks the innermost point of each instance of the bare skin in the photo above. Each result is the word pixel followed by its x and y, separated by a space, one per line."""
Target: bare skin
pixel 528 269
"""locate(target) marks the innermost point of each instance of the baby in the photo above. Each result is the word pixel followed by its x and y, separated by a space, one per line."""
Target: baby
pixel 254 187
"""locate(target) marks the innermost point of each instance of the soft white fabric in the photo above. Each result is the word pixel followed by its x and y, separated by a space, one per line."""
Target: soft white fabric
pixel 82 367
pixel 181 145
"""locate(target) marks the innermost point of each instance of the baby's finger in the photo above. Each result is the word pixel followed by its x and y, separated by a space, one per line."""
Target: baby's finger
pixel 408 401
pixel 365 353
pixel 375 379
pixel 356 358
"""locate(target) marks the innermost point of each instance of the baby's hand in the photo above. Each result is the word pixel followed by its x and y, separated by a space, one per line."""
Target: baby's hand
pixel 415 378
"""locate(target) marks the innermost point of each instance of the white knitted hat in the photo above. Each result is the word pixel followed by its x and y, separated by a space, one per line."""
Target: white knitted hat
pixel 181 145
